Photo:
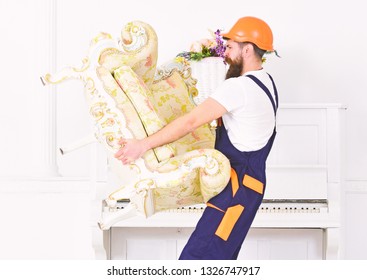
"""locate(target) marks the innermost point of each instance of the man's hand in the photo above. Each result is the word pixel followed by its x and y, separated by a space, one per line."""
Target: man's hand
pixel 131 150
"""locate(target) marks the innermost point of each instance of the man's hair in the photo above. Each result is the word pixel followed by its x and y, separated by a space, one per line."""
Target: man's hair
pixel 258 52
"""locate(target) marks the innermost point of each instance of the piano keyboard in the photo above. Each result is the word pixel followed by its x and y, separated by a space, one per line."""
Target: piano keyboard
pixel 308 206
pixel 271 206
pixel 293 206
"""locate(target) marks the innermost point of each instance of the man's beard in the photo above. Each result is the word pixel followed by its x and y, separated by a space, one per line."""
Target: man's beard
pixel 235 67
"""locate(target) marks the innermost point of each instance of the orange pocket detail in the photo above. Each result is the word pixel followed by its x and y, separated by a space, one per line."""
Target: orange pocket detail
pixel 229 220
pixel 253 184
pixel 234 182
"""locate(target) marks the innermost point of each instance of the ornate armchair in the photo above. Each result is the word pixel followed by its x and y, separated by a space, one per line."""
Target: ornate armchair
pixel 129 96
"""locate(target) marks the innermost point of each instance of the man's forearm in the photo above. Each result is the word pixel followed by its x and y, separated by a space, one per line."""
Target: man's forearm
pixel 170 133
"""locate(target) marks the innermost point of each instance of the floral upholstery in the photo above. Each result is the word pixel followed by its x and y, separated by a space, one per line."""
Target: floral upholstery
pixel 171 98
pixel 129 96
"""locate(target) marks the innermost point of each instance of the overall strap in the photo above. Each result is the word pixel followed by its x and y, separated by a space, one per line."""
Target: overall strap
pixel 264 88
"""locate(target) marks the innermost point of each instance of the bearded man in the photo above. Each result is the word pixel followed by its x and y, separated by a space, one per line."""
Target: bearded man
pixel 246 104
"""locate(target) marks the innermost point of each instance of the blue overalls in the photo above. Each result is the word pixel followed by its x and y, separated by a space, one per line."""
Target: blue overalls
pixel 228 216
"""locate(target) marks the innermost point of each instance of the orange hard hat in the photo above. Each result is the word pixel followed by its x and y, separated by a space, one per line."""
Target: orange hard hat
pixel 253 30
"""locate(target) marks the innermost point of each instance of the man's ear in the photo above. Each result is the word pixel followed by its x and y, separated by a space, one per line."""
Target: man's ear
pixel 249 48
pixel 245 51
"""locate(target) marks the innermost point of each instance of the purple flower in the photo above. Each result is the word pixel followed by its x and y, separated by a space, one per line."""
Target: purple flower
pixel 220 48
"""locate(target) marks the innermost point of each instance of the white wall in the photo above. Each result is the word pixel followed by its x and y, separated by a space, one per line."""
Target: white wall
pixel 321 48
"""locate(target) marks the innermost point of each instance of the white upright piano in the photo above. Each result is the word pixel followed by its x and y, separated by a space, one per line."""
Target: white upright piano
pixel 300 216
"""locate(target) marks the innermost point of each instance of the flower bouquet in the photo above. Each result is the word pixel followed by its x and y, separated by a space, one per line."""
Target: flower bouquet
pixel 213 47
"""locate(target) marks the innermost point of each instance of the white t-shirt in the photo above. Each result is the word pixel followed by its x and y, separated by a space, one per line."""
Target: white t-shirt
pixel 250 116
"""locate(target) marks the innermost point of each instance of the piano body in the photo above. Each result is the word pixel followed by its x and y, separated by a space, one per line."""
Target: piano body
pixel 301 207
